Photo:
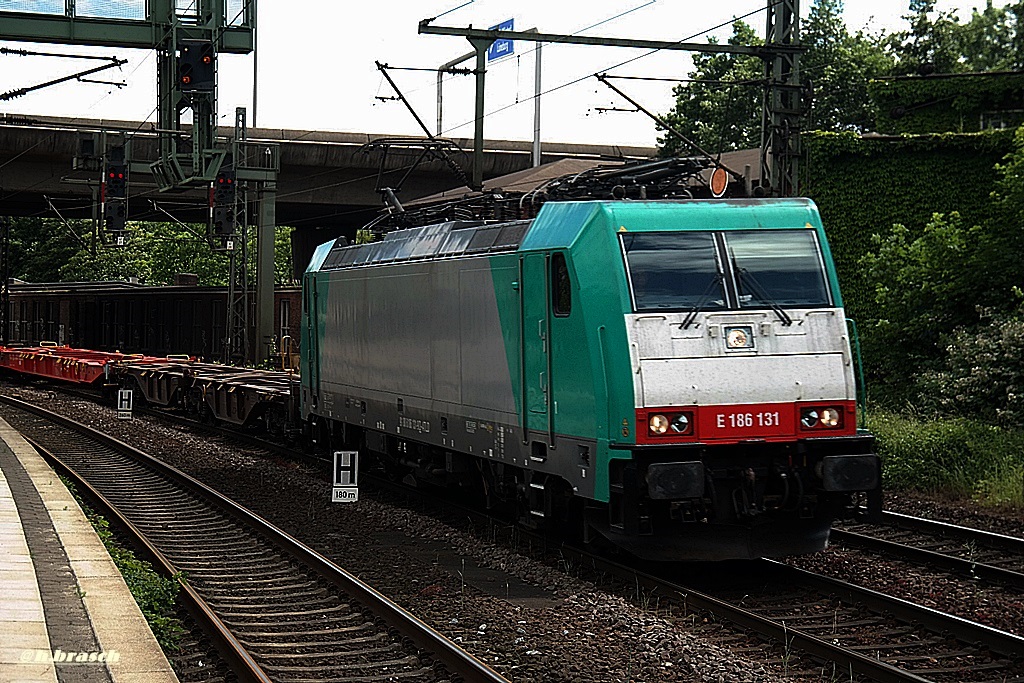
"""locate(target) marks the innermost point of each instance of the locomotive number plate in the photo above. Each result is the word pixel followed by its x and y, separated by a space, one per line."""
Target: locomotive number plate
pixel 747 421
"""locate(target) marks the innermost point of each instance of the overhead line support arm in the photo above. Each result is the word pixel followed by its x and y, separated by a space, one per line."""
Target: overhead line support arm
pixel 491 35
pixel 781 54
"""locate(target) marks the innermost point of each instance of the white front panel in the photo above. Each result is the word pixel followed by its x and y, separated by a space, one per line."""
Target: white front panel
pixel 806 361
pixel 749 379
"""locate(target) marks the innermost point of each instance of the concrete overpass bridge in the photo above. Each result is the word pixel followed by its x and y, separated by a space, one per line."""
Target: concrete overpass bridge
pixel 326 184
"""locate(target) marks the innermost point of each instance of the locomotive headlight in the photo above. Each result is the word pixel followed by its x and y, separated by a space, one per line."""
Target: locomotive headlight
pixel 739 337
pixel 681 423
pixel 658 424
pixel 830 417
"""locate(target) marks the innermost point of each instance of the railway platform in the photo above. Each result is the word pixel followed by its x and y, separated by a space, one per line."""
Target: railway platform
pixel 66 615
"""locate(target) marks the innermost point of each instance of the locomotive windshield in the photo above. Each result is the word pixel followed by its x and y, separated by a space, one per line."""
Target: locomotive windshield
pixel 725 270
pixel 673 270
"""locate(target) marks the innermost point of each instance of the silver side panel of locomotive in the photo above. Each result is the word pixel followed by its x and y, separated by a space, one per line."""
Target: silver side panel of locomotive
pixel 426 332
pixel 807 360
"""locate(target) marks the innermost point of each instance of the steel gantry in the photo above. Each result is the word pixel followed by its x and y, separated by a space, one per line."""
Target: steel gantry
pixel 187 38
pixel 782 101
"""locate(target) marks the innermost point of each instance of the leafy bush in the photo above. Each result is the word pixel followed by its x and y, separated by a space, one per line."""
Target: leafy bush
pixel 955 457
pixel 983 373
pixel 925 286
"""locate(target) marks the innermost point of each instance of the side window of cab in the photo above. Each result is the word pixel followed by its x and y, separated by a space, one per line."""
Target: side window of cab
pixel 561 286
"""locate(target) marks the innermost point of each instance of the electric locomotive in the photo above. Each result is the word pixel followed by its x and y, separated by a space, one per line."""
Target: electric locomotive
pixel 675 377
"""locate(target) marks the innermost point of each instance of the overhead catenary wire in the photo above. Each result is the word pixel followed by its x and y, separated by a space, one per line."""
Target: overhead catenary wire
pixel 97 102
pixel 537 47
pixel 66 224
pixel 582 78
pixel 729 84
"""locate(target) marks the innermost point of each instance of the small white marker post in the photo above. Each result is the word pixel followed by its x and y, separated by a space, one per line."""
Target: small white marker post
pixel 346 477
pixel 124 404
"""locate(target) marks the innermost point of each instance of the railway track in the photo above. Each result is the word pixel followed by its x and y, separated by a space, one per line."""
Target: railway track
pixel 879 636
pixel 820 626
pixel 984 555
pixel 280 611
pixel 849 632
pixel 852 633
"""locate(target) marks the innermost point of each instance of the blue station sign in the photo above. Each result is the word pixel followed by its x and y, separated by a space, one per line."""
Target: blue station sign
pixel 501 47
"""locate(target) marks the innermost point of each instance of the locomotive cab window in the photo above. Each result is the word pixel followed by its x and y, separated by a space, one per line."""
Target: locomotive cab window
pixel 673 271
pixel 783 267
pixel 561 286
pixel 725 270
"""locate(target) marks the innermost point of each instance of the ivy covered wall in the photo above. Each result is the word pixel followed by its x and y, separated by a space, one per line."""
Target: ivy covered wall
pixel 863 186
pixel 961 103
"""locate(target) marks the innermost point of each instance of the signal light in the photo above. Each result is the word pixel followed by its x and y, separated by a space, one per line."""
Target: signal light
pixel 224 187
pixel 196 66
pixel 222 202
pixel 224 220
pixel 116 181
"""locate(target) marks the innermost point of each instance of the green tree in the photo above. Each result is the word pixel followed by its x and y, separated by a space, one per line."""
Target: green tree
pixel 1016 12
pixel 720 109
pixel 39 247
pixel 925 287
pixel 109 263
pixel 283 271
pixel 154 253
pixel 987 40
pixel 839 65
pixel 48 250
pixel 176 249
pixel 933 44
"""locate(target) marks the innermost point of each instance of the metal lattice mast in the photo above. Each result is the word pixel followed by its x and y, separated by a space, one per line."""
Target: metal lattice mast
pixel 236 347
pixel 5 273
pixel 187 36
pixel 783 101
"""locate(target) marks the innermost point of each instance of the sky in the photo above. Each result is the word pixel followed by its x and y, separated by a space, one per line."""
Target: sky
pixel 315 66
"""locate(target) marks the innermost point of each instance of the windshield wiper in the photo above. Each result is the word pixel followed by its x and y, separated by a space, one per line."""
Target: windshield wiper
pixel 691 315
pixel 743 275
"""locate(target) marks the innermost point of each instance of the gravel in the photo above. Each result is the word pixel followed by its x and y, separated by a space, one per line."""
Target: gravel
pixel 971 599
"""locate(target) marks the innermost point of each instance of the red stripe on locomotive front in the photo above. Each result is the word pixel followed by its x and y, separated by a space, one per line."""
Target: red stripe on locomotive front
pixel 726 424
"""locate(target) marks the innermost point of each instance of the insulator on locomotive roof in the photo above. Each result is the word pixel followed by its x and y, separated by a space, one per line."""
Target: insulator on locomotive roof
pixel 659 179
pixel 392 200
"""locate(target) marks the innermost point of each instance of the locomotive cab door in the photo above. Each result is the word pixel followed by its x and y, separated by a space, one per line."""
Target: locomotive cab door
pixel 535 346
